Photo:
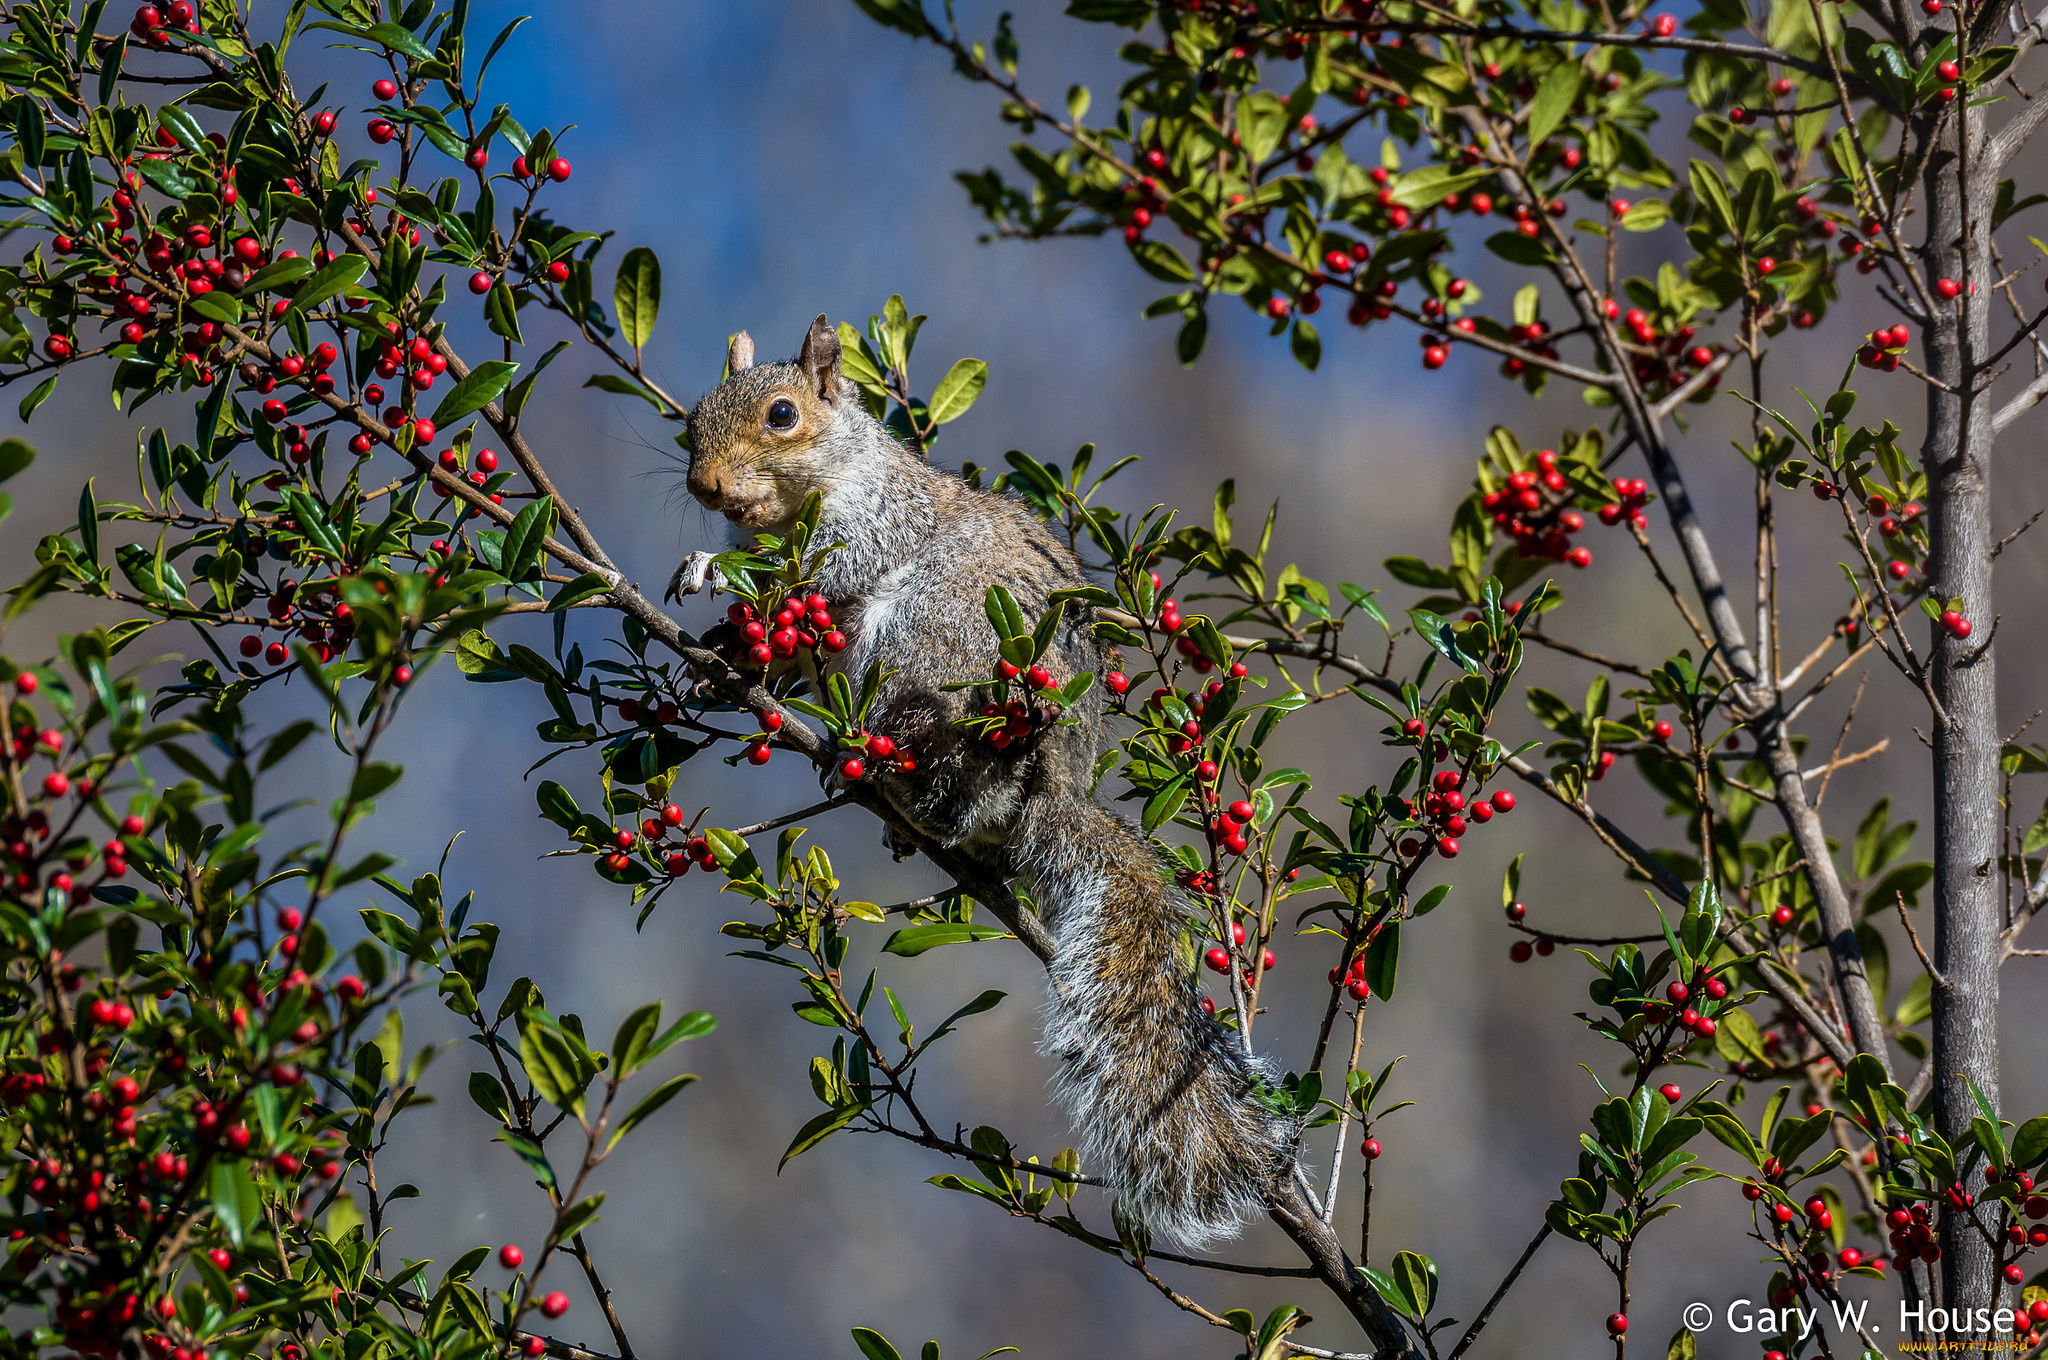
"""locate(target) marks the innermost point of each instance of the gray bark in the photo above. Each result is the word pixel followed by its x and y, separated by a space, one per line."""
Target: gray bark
pixel 1956 456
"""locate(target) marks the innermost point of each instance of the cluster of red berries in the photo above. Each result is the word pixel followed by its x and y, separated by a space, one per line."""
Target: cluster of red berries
pixel 558 169
pixel 1352 980
pixel 1144 196
pixel 1631 494
pixel 1683 1005
pixel 1904 538
pixel 1231 828
pixel 1662 362
pixel 794 623
pixel 1190 734
pixel 1521 951
pixel 876 747
pixel 179 262
pixel 484 464
pixel 1446 811
pixel 315 612
pixel 1911 1236
pixel 23 851
pixel 1217 958
pixel 155 25
pixel 1885 348
pixel 1534 509
pixel 1534 337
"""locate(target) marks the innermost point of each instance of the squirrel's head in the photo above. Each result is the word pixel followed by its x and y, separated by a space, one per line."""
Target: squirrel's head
pixel 760 442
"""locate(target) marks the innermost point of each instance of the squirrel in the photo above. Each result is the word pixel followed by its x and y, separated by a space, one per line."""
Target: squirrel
pixel 1169 1110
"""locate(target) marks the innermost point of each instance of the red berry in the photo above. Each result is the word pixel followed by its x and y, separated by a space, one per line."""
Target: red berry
pixel 1218 959
pixel 1671 1092
pixel 1616 1324
pixel 851 768
pixel 558 169
pixel 758 753
pixel 1503 801
pixel 510 1256
pixel 555 1304
pixel 480 283
pixel 385 89
pixel 1372 1149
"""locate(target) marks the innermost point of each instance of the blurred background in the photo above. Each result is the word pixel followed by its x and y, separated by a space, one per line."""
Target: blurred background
pixel 786 157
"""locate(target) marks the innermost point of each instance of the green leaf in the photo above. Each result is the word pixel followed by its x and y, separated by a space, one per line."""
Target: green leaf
pixel 582 588
pixel 237 1204
pixel 818 1130
pixel 398 39
pixel 911 941
pixel 372 780
pixel 182 126
pixel 1415 1276
pixel 1709 188
pixel 338 277
pixel 1306 344
pixel 1647 215
pixel 957 390
pixel 578 1216
pixel 532 1154
pixel 36 397
pixel 1162 262
pixel 1383 959
pixel 873 1346
pixel 1553 101
pixel 1430 185
pixel 14 456
pixel 649 1103
pixel 2030 1141
pixel 636 294
pixel 1516 248
pixel 524 539
pixel 278 272
pixel 475 392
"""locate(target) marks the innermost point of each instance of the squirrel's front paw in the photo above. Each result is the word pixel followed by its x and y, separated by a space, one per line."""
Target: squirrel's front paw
pixel 695 572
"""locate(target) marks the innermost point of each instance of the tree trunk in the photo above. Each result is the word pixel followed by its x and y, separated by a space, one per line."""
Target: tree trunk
pixel 1967 910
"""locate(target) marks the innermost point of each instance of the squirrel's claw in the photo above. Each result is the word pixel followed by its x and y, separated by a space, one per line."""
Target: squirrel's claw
pixel 695 572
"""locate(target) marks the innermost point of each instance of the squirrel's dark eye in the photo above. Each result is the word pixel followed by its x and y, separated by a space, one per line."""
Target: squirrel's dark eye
pixel 782 415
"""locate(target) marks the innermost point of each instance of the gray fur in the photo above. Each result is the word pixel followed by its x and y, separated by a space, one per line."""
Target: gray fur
pixel 1162 1096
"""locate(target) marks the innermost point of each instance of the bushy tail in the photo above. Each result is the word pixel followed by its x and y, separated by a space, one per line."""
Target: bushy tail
pixel 1161 1095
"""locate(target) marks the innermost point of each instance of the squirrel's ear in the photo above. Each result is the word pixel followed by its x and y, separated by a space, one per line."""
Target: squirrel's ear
pixel 819 359
pixel 739 352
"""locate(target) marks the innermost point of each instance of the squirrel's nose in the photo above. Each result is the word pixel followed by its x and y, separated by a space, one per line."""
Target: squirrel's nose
pixel 707 487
